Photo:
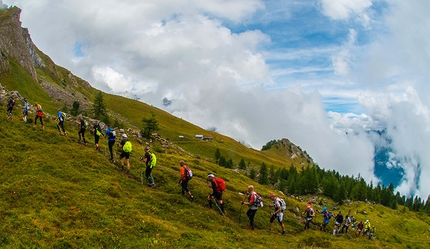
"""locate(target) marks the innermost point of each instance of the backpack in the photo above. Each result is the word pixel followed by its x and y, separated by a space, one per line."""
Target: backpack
pixel 188 173
pixel 112 133
pixel 258 201
pixel 220 184
pixel 12 103
pixel 98 132
pixel 86 124
pixel 63 115
pixel 153 160
pixel 127 147
pixel 283 204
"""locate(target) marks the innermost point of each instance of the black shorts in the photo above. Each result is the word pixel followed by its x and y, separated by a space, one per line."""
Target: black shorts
pixel 124 154
pixel 217 195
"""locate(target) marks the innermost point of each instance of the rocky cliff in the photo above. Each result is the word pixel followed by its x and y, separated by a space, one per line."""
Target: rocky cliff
pixel 16 44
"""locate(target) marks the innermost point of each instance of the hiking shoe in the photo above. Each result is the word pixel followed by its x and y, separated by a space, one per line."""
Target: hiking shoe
pixel 192 198
pixel 153 185
pixel 283 233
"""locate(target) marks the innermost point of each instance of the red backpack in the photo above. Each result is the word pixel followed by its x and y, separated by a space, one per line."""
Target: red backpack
pixel 220 184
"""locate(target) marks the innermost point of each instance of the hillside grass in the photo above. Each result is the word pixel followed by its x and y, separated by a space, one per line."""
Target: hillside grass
pixel 56 193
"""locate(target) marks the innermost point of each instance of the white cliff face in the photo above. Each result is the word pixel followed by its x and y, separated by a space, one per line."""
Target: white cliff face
pixel 37 61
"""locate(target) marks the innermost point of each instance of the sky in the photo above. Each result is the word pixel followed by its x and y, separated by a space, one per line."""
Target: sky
pixel 338 78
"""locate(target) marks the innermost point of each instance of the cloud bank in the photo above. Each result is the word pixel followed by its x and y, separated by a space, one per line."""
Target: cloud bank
pixel 320 73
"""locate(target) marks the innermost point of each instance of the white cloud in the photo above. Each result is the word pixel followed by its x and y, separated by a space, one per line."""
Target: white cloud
pixel 345 9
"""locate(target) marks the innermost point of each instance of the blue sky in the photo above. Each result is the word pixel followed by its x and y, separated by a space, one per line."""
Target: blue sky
pixel 321 73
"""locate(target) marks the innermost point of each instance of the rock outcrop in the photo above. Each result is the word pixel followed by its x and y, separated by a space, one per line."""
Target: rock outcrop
pixel 16 44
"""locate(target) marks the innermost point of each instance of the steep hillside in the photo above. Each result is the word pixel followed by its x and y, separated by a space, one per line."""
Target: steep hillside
pixel 56 193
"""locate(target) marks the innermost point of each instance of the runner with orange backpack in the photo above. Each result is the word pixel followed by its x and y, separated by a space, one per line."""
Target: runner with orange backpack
pixel 39 115
pixel 218 186
pixel 186 175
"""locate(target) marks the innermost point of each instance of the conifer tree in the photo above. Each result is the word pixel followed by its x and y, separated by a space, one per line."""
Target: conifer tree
pixel 252 173
pixel 217 155
pixel 242 164
pixel 263 178
pixel 75 108
pixel 150 125
pixel 222 161
pixel 229 164
pixel 273 177
pixel 99 108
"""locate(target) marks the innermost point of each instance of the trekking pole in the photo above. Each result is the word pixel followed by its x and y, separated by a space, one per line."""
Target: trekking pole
pixel 240 210
pixel 141 177
pixel 216 204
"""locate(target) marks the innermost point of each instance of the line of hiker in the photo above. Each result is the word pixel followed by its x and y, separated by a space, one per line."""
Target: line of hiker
pixel 254 200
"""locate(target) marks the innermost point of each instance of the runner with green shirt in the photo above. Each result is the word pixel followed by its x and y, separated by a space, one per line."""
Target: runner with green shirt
pixel 126 147
pixel 97 133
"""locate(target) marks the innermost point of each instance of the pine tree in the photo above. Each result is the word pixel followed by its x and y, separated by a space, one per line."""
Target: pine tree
pixel 75 108
pixel 150 125
pixel 273 177
pixel 218 155
pixel 99 108
pixel 330 186
pixel 263 178
pixel 242 164
pixel 341 193
pixel 252 173
pixel 229 164
pixel 222 161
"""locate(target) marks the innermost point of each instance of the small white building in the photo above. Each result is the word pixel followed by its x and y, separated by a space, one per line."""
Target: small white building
pixel 199 136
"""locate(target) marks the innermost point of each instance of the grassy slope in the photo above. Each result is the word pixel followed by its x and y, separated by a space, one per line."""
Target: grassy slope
pixel 57 193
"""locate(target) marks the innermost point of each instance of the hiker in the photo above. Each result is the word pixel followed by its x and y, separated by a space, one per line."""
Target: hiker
pixel 360 226
pixel 150 161
pixel 125 145
pixel 310 214
pixel 327 216
pixel 346 224
pixel 254 202
pixel 278 214
pixel 371 232
pixel 82 129
pixel 338 222
pixel 111 135
pixel 97 133
pixel 60 118
pixel 39 115
pixel 9 109
pixel 217 189
pixel 366 226
pixel 185 177
pixel 25 111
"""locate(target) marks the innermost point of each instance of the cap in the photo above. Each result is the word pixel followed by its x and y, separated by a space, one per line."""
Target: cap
pixel 272 195
pixel 124 135
pixel 146 148
pixel 308 208
pixel 211 175
pixel 367 221
pixel 324 209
